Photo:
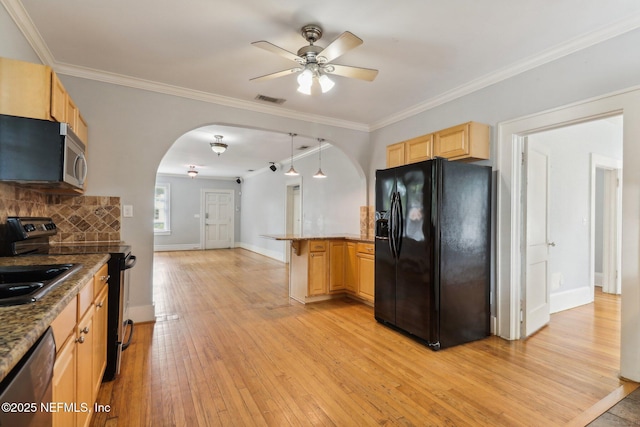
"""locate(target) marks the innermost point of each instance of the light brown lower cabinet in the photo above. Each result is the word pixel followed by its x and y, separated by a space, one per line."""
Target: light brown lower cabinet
pixel 366 271
pixel 336 266
pixel 81 358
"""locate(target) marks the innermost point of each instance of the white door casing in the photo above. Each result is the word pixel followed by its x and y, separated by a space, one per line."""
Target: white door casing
pixel 218 219
pixel 612 221
pixel 536 274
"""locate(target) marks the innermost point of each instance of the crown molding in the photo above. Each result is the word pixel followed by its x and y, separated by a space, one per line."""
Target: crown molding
pixel 571 46
pixel 31 33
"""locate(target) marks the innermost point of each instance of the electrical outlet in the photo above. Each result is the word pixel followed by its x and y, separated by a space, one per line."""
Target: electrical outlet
pixel 127 211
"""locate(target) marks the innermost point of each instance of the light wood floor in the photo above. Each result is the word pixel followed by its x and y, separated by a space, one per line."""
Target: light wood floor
pixel 229 348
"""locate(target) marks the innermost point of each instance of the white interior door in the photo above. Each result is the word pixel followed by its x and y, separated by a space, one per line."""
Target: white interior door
pixel 536 310
pixel 218 223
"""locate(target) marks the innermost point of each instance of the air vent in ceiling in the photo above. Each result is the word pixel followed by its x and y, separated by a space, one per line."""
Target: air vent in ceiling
pixel 266 98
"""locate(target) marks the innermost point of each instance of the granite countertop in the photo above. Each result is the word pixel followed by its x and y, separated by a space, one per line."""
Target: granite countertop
pixel 22 325
pixel 365 238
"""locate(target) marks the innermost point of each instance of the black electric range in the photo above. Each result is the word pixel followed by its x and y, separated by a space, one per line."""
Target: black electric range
pixel 30 236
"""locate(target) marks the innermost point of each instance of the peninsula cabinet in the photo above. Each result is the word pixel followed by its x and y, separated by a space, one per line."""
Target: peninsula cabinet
pixel 337 262
pixel 35 91
pixel 318 268
pixel 322 269
pixel 80 332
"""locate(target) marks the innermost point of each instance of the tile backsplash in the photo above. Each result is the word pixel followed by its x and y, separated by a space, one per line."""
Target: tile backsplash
pixel 367 220
pixel 79 218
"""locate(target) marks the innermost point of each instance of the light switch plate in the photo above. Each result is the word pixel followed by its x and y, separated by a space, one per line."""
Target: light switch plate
pixel 127 211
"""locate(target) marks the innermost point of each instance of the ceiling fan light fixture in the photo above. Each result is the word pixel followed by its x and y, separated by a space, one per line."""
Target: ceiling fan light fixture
pixel 325 83
pixel 218 147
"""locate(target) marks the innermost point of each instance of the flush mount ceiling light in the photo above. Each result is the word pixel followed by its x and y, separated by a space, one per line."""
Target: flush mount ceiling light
pixel 320 174
pixel 192 172
pixel 218 147
pixel 292 171
pixel 314 61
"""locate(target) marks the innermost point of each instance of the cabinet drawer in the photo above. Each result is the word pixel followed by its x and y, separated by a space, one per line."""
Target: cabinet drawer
pixel 365 248
pixel 64 324
pixel 100 279
pixel 317 246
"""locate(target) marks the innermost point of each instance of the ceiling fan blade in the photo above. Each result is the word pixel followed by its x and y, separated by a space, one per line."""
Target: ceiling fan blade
pixel 277 50
pixel 275 75
pixel 354 72
pixel 344 43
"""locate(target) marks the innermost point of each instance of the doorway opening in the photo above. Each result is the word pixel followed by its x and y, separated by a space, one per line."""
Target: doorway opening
pixel 559 216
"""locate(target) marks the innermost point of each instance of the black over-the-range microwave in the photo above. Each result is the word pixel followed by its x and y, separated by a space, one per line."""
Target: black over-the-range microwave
pixel 41 153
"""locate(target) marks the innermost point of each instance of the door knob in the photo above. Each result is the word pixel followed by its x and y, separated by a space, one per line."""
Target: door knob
pixel 552 244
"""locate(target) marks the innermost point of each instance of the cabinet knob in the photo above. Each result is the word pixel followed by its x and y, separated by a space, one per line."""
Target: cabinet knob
pixel 100 304
pixel 85 330
pixel 104 278
pixel 80 340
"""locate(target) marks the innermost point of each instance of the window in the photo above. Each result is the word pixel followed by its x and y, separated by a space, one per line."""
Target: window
pixel 162 208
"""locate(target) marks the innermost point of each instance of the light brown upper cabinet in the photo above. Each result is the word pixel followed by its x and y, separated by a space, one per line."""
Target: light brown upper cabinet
pixel 410 151
pixel 35 91
pixel 468 142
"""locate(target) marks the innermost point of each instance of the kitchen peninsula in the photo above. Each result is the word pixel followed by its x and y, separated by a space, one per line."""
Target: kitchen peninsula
pixel 322 267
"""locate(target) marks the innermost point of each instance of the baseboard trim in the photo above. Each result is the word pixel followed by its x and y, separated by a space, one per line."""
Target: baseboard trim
pixel 278 256
pixel 570 299
pixel 180 247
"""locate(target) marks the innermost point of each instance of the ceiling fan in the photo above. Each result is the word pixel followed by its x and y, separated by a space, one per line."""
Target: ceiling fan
pixel 314 62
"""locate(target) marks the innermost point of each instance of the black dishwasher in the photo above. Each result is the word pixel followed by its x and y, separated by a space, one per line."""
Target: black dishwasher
pixel 28 385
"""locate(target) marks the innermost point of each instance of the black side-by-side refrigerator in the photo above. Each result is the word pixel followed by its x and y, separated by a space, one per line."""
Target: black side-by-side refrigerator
pixel 432 251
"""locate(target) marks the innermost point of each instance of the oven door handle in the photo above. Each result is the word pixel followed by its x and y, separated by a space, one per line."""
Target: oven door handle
pixel 131 261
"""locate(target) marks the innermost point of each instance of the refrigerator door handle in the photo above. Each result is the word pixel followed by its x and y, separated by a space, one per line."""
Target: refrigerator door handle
pixel 392 222
pixel 397 238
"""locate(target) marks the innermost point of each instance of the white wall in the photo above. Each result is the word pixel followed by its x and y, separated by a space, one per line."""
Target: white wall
pixel 569 149
pixel 185 194
pixel 329 206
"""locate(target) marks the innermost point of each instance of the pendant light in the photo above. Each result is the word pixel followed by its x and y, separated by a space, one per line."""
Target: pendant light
pixel 292 171
pixel 320 174
pixel 192 172
pixel 218 147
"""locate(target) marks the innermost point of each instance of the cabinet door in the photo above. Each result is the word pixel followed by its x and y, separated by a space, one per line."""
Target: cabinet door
pixel 99 362
pixel 25 89
pixel 58 99
pixel 418 149
pixel 395 155
pixel 468 141
pixel 317 273
pixel 64 382
pixel 452 142
pixel 336 267
pixel 84 375
pixel 366 276
pixel 82 129
pixel 72 114
pixel 350 268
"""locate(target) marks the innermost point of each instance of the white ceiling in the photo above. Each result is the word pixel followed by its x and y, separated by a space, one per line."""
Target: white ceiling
pixel 427 51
